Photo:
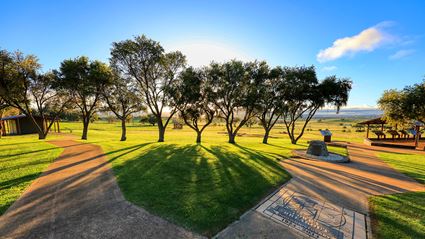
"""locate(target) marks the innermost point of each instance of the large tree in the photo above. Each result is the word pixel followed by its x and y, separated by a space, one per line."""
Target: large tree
pixel 271 101
pixel 404 106
pixel 22 86
pixel 304 95
pixel 145 61
pixel 123 100
pixel 85 80
pixel 234 85
pixel 192 97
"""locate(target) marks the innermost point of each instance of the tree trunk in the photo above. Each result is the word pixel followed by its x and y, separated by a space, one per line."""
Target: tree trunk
pixel 123 130
pixel 232 138
pixel 41 135
pixel 198 137
pixel 161 133
pixel 85 128
pixel 266 136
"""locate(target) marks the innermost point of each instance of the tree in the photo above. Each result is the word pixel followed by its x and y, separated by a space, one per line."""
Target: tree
pixel 271 101
pixel 192 97
pixel 234 87
pixel 85 80
pixel 145 62
pixel 3 107
pixel 393 105
pixel 150 119
pixel 123 100
pixel 403 107
pixel 22 86
pixel 304 95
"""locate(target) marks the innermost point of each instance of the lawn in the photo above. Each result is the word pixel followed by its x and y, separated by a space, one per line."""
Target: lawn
pixel 401 215
pixel 413 165
pixel 22 159
pixel 201 187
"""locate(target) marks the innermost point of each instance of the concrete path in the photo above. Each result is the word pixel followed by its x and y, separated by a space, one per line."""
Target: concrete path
pixel 347 185
pixel 78 197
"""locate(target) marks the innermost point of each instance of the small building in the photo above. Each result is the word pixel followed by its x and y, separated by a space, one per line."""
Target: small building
pixel 22 124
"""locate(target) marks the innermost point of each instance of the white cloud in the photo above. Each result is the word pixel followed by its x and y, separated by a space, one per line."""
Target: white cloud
pixel 401 54
pixel 203 52
pixel 367 40
pixel 329 68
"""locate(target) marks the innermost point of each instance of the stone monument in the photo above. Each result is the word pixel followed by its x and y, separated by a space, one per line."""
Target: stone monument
pixel 317 148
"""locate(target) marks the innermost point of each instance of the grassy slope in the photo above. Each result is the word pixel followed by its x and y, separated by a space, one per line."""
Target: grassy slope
pixel 401 215
pixel 22 159
pixel 413 165
pixel 203 187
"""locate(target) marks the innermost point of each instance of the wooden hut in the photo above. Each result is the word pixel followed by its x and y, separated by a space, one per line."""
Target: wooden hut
pixel 22 124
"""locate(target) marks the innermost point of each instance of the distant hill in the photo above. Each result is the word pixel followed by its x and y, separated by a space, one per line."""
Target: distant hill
pixel 349 113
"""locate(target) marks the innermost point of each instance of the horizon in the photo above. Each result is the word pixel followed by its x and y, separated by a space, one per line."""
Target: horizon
pixel 382 49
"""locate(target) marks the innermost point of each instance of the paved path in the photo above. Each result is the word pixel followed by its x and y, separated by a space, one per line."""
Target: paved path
pixel 347 185
pixel 78 197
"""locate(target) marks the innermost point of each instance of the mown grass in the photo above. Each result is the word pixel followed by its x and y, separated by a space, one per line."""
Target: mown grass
pixel 338 150
pixel 22 159
pixel 203 187
pixel 413 165
pixel 401 215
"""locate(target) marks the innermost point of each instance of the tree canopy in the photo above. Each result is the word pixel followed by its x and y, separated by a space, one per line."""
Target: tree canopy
pixel 35 94
pixel 404 106
pixel 192 96
pixel 85 81
pixel 144 61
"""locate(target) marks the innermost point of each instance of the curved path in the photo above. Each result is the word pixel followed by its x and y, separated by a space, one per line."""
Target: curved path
pixel 78 197
pixel 350 184
pixel 347 185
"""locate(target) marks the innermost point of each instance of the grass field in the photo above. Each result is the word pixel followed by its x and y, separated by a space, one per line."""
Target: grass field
pixel 401 215
pixel 22 159
pixel 202 187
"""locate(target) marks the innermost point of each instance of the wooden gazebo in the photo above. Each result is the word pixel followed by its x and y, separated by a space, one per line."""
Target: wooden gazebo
pixel 377 121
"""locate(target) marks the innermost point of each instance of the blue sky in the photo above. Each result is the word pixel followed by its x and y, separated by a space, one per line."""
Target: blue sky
pixel 378 44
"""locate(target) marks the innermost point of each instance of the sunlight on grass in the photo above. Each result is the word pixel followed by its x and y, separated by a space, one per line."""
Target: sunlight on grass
pixel 202 187
pixel 413 165
pixel 22 159
pixel 401 215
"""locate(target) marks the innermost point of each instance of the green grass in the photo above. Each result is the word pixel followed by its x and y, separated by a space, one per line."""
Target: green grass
pixel 338 150
pixel 202 187
pixel 22 159
pixel 413 165
pixel 401 215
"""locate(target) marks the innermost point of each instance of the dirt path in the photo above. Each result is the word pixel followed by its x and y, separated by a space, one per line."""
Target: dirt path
pixel 347 185
pixel 78 197
pixel 350 184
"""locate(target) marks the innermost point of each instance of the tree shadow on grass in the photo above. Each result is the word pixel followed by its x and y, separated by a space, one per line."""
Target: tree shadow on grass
pixel 202 188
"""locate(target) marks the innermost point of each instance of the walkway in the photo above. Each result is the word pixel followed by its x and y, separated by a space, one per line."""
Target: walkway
pixel 78 197
pixel 346 185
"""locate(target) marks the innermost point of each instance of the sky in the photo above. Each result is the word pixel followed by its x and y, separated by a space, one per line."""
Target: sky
pixel 379 45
